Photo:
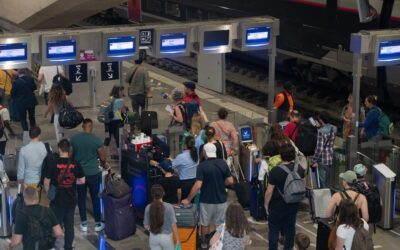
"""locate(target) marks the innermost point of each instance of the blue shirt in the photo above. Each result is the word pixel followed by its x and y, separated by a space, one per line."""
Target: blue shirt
pixel 371 123
pixel 118 103
pixel 185 166
pixel 30 162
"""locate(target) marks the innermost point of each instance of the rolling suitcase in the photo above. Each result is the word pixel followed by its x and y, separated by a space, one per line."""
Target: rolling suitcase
pixel 148 122
pixel 119 216
pixel 186 216
pixel 10 162
pixel 189 238
pixel 257 209
pixel 323 231
pixel 318 197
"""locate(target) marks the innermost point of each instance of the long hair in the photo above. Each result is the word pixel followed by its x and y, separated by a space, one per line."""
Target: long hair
pixel 189 142
pixel 349 214
pixel 115 91
pixel 57 95
pixel 271 148
pixel 278 135
pixel 235 220
pixel 157 209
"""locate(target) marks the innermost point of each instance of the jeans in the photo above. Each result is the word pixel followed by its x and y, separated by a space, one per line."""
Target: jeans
pixel 282 220
pixel 161 242
pixel 323 171
pixel 65 216
pixel 22 115
pixel 46 98
pixel 113 130
pixel 138 101
pixel 93 183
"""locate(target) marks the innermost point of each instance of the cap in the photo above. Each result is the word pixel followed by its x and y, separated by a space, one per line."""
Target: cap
pixel 190 85
pixel 360 169
pixel 349 176
pixel 211 150
pixel 288 86
pixel 177 95
pixel 166 165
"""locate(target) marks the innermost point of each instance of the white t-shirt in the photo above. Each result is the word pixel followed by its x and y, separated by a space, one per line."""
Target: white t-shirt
pixel 263 170
pixel 347 233
pixel 5 116
pixel 49 72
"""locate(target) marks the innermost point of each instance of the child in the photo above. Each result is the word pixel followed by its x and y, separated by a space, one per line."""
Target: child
pixel 301 242
pixel 170 183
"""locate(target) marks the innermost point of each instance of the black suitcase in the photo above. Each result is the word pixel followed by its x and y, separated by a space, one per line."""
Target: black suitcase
pixel 324 229
pixel 257 209
pixel 148 122
pixel 119 216
pixel 242 190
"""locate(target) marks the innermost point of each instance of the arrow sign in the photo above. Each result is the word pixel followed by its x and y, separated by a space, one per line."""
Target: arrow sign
pixel 78 78
pixel 78 73
pixel 110 76
pixel 109 71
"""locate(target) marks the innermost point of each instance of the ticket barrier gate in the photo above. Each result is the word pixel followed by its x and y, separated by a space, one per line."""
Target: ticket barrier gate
pixel 5 206
pixel 248 153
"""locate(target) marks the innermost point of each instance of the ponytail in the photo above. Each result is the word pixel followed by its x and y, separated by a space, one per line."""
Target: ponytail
pixel 190 144
pixel 157 209
pixel 210 133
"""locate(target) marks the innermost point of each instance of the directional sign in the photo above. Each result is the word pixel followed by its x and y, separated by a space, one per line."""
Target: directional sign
pixel 146 37
pixel 78 73
pixel 109 71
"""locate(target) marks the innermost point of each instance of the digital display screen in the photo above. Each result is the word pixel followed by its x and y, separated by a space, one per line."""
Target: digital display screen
pixel 121 46
pixel 216 38
pixel 13 52
pixel 389 51
pixel 61 50
pixel 258 36
pixel 173 43
pixel 246 134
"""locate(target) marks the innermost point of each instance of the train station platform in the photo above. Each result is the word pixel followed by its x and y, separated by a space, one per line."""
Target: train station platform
pixel 240 112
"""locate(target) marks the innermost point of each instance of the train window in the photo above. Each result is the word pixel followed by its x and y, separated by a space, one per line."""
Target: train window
pixel 173 9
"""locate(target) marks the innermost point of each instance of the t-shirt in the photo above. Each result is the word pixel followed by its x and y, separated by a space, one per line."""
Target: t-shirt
pixel 5 116
pixel 347 233
pixel 118 103
pixel 192 98
pixel 185 165
pixel 213 173
pixel 30 162
pixel 277 177
pixel 21 222
pixel 230 242
pixel 48 74
pixel 171 186
pixel 66 187
pixel 85 147
pixel 291 130
pixel 169 217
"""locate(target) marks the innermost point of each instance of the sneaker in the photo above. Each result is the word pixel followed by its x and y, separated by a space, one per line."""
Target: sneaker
pixel 99 226
pixel 84 227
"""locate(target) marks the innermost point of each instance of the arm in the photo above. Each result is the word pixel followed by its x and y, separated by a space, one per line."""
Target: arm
pixel 15 240
pixel 364 209
pixel 102 156
pixel 81 181
pixel 331 206
pixel 339 243
pixel 318 148
pixel 268 196
pixel 46 184
pixel 40 77
pixel 175 231
pixel 229 181
pixel 196 187
pixel 235 140
pixel 178 114
pixel 21 169
pixel 179 194
pixel 370 120
pixel 203 114
pixel 48 109
pixel 58 232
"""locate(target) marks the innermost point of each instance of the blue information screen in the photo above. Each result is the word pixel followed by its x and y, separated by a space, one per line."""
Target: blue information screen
pixel 173 43
pixel 245 134
pixel 13 52
pixel 258 36
pixel 121 46
pixel 61 50
pixel 389 51
pixel 216 38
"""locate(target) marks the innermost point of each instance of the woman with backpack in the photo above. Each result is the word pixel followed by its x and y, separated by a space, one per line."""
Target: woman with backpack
pixel 160 220
pixel 117 94
pixel 221 149
pixel 57 99
pixel 177 109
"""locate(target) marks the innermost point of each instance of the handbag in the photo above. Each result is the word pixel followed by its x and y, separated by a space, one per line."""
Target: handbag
pixel 115 186
pixel 69 117
pixel 220 243
pixel 51 194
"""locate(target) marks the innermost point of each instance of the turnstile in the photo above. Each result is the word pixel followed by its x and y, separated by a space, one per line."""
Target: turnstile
pixel 248 155
pixel 385 179
pixel 5 216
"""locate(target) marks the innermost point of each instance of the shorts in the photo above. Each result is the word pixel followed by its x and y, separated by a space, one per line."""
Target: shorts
pixel 212 214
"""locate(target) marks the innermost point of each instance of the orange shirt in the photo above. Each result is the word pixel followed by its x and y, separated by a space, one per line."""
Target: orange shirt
pixel 280 99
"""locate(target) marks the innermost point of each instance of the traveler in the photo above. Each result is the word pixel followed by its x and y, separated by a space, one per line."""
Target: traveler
pixel 192 103
pixel 62 179
pixel 30 162
pixel 6 79
pixel 278 136
pixel 370 127
pixel 349 223
pixel 323 155
pixel 190 93
pixel 170 183
pixel 284 102
pixel 197 130
pixel 24 98
pixel 5 124
pixel 45 78
pixel 347 113
pixel 34 225
pixel 177 111
pixel 226 132
pixel 292 128
pixel 235 229
pixel 139 86
pixel 221 150
pixel 349 178
pixel 87 148
pixel 57 100
pixel 212 177
pixel 272 159
pixel 160 221
pixel 301 242
pixel 281 215
pixel 116 123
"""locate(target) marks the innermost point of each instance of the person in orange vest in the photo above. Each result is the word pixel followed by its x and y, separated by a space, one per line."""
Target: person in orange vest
pixel 284 102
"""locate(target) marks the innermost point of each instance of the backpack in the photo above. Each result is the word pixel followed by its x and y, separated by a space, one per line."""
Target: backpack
pixel 373 199
pixel 69 117
pixel 106 111
pixel 189 110
pixel 362 240
pixel 386 127
pixel 47 163
pixel 306 139
pixel 294 189
pixel 65 82
pixel 39 229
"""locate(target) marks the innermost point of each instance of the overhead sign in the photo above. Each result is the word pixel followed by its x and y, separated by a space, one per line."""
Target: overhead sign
pixel 173 43
pixel 121 46
pixel 109 71
pixel 15 53
pixel 146 37
pixel 389 51
pixel 78 73
pixel 64 50
pixel 257 36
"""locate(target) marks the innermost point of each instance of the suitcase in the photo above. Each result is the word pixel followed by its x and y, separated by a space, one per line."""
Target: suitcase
pixel 323 231
pixel 189 238
pixel 257 209
pixel 186 216
pixel 242 190
pixel 148 122
pixel 318 198
pixel 119 216
pixel 10 166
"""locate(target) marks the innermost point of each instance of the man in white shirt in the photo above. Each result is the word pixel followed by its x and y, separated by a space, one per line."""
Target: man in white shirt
pixel 45 77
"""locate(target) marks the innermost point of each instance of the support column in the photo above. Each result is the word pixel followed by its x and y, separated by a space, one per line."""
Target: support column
pixel 271 81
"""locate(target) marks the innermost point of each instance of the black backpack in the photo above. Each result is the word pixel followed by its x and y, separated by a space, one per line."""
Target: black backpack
pixel 189 110
pixel 39 230
pixel 306 139
pixel 65 83
pixel 371 193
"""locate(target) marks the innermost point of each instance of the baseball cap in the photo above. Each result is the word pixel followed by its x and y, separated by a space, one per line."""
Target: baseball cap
pixel 349 176
pixel 166 165
pixel 190 85
pixel 360 169
pixel 210 150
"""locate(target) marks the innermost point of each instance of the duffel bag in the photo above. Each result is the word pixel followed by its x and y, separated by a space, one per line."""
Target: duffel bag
pixel 69 117
pixel 115 186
